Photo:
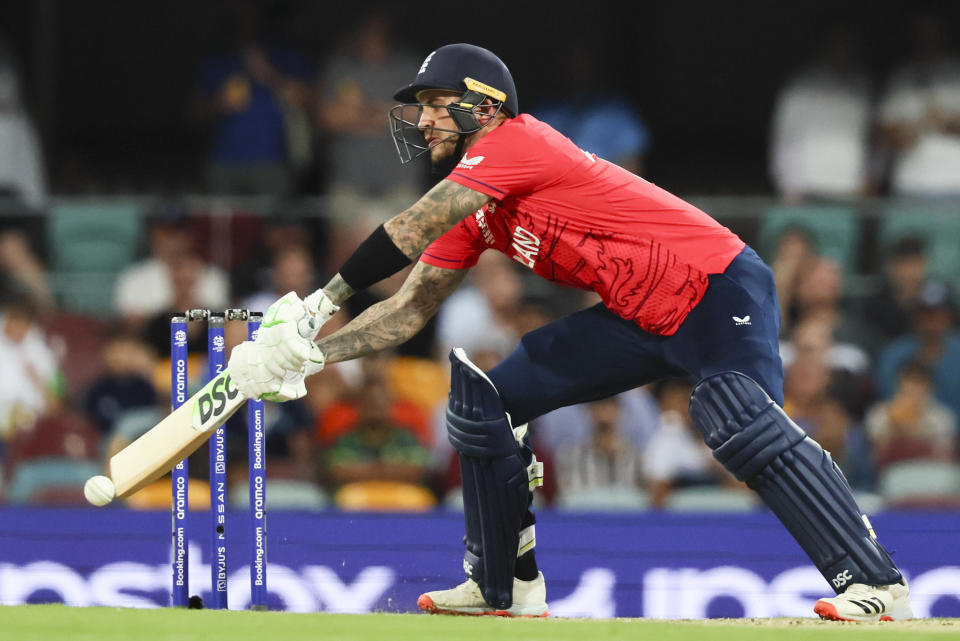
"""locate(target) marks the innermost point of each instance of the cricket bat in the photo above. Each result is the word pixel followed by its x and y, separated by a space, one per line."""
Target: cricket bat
pixel 183 431
pixel 176 437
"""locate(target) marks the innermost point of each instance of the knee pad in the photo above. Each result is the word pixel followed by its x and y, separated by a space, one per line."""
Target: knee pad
pixel 756 441
pixel 498 473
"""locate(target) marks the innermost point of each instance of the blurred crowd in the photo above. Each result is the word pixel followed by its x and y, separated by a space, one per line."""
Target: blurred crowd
pixel 873 373
pixel 838 133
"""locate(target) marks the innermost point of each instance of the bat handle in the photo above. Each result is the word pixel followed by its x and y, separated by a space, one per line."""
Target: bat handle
pixel 308 326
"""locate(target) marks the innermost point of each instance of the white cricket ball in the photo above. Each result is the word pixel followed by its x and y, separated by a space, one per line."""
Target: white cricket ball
pixel 99 490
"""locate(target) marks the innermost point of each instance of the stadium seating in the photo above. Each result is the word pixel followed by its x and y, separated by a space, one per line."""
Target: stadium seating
pixel 61 435
pixel 834 229
pixel 936 224
pixel 711 499
pixel 869 502
pixel 382 496
pixel 34 477
pixel 421 381
pixel 77 341
pixel 89 244
pixel 603 499
pixel 60 496
pixel 921 484
pixel 159 495
pixel 281 494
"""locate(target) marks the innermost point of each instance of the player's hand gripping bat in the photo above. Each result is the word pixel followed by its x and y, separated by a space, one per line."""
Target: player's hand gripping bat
pixel 177 436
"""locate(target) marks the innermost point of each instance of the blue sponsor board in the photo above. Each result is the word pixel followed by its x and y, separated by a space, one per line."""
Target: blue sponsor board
pixel 648 564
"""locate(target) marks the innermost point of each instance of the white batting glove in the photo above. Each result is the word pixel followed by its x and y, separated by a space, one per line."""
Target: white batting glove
pixel 254 379
pixel 320 308
pixel 288 329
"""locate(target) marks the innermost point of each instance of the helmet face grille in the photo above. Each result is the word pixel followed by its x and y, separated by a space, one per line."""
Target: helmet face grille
pixel 409 139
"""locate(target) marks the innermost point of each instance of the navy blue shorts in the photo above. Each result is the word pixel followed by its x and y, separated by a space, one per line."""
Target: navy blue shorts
pixel 594 353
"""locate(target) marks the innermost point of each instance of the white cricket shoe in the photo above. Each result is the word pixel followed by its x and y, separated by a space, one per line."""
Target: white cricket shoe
pixel 529 600
pixel 862 602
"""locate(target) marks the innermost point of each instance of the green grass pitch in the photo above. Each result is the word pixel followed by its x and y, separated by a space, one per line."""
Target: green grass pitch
pixel 57 622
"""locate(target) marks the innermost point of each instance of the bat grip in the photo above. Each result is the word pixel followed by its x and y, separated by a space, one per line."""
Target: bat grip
pixel 308 326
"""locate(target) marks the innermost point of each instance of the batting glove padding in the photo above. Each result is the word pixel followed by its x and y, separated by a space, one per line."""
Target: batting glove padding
pixel 288 329
pixel 255 379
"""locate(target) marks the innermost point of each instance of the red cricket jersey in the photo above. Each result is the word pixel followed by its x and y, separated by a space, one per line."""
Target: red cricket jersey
pixel 579 220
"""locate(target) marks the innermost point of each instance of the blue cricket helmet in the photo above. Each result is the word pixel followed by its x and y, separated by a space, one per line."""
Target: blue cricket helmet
pixel 453 67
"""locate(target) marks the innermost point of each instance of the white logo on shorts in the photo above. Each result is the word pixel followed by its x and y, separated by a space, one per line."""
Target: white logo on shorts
pixel 742 321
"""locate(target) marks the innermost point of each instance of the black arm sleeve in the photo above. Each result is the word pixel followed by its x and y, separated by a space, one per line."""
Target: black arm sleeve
pixel 375 259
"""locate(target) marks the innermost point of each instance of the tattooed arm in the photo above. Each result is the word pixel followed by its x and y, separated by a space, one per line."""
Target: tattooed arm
pixel 394 320
pixel 437 211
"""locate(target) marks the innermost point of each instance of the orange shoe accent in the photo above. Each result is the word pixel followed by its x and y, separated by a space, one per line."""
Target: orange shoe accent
pixel 426 604
pixel 828 611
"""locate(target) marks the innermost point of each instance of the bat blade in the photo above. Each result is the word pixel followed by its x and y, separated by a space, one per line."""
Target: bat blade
pixel 174 438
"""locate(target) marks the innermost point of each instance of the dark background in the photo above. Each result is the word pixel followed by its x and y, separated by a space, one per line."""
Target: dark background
pixel 109 82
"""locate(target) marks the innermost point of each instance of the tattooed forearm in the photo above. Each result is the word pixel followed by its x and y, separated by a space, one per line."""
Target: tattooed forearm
pixel 337 290
pixel 395 320
pixel 437 211
pixel 379 327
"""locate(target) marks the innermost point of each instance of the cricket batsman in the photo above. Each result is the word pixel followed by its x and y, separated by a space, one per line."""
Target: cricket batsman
pixel 681 295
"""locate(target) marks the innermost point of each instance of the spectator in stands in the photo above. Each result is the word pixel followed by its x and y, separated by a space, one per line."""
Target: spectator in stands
pixel 933 342
pixel 805 384
pixel 568 427
pixel 126 383
pixel 821 125
pixel 292 271
pixel 186 292
pixel 365 183
pixel 345 408
pixel 533 312
pixel 827 389
pixel 376 445
pixel 814 363
pixel 912 425
pixel 838 430
pixel 255 96
pixel 794 255
pixel 887 314
pixel 22 271
pixel 156 284
pixel 485 310
pixel 606 460
pixel 287 225
pixel 29 381
pixel 676 456
pixel 919 119
pixel 596 119
pixel 22 168
pixel 813 338
pixel 819 294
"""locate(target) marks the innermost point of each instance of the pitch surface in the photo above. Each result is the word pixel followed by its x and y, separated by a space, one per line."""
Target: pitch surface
pixel 57 622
